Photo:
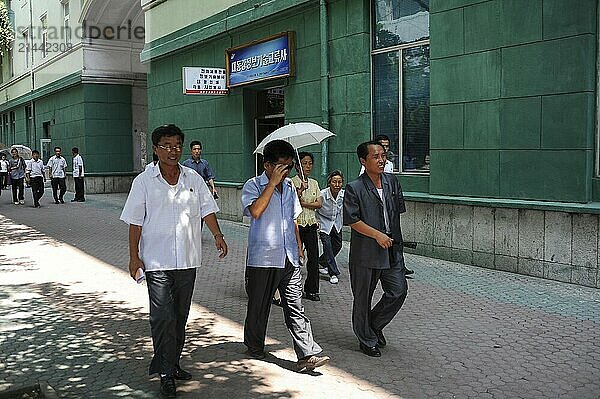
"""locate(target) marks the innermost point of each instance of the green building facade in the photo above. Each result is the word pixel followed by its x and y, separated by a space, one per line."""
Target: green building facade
pixel 490 105
pixel 70 81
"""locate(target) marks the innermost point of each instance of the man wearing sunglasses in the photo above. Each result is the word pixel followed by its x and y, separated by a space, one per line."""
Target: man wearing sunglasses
pixel 272 260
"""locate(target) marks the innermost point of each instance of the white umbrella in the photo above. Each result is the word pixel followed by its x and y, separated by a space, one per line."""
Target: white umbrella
pixel 24 151
pixel 298 135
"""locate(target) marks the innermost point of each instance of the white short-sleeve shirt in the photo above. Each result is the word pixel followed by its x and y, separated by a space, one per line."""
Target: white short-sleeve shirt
pixel 77 162
pixel 171 218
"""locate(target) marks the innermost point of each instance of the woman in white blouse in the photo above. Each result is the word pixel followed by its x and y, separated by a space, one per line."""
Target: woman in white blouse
pixel 330 224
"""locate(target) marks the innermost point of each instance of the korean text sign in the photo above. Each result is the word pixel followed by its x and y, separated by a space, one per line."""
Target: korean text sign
pixel 265 59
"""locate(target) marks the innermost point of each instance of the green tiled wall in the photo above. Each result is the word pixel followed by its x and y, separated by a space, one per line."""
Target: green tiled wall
pixel 513 98
pixel 226 125
pixel 96 118
pixel 65 110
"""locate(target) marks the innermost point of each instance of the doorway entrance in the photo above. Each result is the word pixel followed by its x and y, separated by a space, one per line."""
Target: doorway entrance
pixel 270 107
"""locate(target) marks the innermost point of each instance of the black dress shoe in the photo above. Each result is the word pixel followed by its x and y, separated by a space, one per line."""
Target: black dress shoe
pixel 276 302
pixel 408 271
pixel 381 342
pixel 311 297
pixel 167 387
pixel 372 351
pixel 181 374
pixel 56 202
pixel 257 353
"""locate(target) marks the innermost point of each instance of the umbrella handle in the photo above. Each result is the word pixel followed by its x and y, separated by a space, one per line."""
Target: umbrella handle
pixel 299 165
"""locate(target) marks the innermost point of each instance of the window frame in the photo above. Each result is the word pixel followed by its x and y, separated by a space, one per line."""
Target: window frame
pixel 400 48
pixel 65 6
pixel 44 18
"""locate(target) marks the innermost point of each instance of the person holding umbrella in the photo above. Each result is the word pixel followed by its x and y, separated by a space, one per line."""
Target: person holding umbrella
pixel 309 194
pixel 273 257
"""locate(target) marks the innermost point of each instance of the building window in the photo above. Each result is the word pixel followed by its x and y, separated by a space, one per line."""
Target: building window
pixel 28 123
pixel 27 48
pixel 66 26
pixel 400 65
pixel 44 25
pixel 13 130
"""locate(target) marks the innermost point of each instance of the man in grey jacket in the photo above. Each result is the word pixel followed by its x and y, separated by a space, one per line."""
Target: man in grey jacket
pixel 372 207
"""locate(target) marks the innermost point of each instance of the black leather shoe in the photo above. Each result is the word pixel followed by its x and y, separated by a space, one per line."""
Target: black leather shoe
pixel 257 353
pixel 311 297
pixel 372 351
pixel 181 374
pixel 167 387
pixel 381 342
pixel 408 271
pixel 276 302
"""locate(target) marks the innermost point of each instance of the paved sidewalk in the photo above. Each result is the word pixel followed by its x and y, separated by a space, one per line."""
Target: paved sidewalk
pixel 70 315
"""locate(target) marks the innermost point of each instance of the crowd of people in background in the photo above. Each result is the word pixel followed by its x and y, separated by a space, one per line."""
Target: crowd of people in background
pixel 21 173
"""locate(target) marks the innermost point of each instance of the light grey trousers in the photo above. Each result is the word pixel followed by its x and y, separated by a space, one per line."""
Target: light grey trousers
pixel 261 285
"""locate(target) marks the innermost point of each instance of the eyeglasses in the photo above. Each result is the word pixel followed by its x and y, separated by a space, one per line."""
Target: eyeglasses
pixel 169 148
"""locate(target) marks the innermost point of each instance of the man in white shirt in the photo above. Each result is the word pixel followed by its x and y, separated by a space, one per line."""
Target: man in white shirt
pixel 78 176
pixel 3 172
pixel 58 166
pixel 164 211
pixel 34 174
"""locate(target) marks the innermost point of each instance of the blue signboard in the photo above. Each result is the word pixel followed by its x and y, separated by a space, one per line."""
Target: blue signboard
pixel 267 59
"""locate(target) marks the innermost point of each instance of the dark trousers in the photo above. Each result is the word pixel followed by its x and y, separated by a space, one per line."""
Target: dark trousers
pixel 17 184
pixel 3 179
pixel 261 285
pixel 37 189
pixel 332 244
pixel 56 183
pixel 170 293
pixel 309 237
pixel 364 281
pixel 79 189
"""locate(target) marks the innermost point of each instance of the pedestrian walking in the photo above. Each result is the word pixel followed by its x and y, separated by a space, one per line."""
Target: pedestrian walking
pixel 3 172
pixel 372 207
pixel 330 218
pixel 34 173
pixel 164 209
pixel 273 257
pixel 78 174
pixel 201 166
pixel 16 165
pixel 58 166
pixel 310 200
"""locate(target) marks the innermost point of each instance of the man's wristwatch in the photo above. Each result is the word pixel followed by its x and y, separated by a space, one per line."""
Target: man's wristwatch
pixel 218 235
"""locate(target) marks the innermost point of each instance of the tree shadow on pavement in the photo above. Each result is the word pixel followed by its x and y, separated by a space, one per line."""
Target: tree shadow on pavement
pixel 87 346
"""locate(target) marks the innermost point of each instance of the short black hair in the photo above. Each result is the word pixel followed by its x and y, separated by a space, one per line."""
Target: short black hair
pixel 75 150
pixel 154 157
pixel 380 137
pixel 195 142
pixel 277 149
pixel 363 148
pixel 305 154
pixel 57 148
pixel 169 130
pixel 35 152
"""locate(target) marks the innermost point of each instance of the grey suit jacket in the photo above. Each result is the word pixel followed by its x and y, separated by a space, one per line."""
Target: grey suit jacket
pixel 362 202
